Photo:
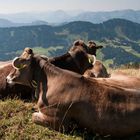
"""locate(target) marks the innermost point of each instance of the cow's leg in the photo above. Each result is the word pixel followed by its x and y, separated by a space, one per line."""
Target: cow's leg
pixel 48 121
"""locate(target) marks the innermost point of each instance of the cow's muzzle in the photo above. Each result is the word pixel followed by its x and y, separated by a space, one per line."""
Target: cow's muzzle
pixel 9 80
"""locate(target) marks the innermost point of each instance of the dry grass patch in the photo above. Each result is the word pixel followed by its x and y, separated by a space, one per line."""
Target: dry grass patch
pixel 129 72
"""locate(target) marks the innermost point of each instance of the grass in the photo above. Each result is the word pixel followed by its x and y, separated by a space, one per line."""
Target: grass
pixel 16 123
pixel 129 72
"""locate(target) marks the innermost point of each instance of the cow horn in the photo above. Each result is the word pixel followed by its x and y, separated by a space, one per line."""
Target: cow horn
pixel 91 59
pixel 15 63
pixel 18 65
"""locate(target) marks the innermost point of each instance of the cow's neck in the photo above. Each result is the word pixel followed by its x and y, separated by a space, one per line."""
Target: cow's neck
pixel 41 74
pixel 58 59
pixel 38 77
pixel 51 70
pixel 81 60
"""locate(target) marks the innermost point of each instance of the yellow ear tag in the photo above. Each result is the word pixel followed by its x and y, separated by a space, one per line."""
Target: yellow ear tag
pixel 34 83
pixel 22 66
pixel 90 60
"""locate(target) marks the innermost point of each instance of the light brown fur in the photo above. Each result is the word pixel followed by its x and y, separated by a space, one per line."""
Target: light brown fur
pixel 98 70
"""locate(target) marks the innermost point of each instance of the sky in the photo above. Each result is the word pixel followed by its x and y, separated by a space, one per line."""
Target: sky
pixel 15 6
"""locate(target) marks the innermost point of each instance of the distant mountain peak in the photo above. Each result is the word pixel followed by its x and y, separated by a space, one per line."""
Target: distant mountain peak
pixel 60 16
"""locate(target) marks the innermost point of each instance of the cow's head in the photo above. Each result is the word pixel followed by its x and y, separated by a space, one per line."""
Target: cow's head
pixel 79 44
pixel 22 69
pixel 92 47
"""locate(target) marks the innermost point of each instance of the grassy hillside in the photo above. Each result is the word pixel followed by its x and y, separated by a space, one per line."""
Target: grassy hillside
pixel 120 37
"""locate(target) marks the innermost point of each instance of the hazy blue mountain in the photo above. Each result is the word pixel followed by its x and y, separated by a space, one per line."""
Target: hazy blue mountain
pixel 57 17
pixel 6 23
pixel 60 16
pixel 98 17
pixel 25 17
pixel 39 22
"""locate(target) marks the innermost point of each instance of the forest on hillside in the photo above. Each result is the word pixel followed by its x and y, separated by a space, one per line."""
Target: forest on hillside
pixel 120 38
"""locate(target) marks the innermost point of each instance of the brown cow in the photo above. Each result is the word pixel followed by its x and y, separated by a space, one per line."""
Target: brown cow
pixel 91 48
pixel 16 90
pixel 77 59
pixel 64 96
pixel 98 70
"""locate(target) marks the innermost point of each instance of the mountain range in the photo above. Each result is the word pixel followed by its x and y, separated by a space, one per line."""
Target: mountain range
pixel 120 38
pixel 62 17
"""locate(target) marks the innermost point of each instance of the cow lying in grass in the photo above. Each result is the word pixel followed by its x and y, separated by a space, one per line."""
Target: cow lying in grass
pixel 15 90
pixel 77 59
pixel 98 70
pixel 103 108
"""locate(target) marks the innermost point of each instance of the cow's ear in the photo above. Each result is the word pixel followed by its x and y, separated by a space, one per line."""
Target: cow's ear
pixel 28 50
pixel 91 59
pixel 99 47
pixel 27 53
